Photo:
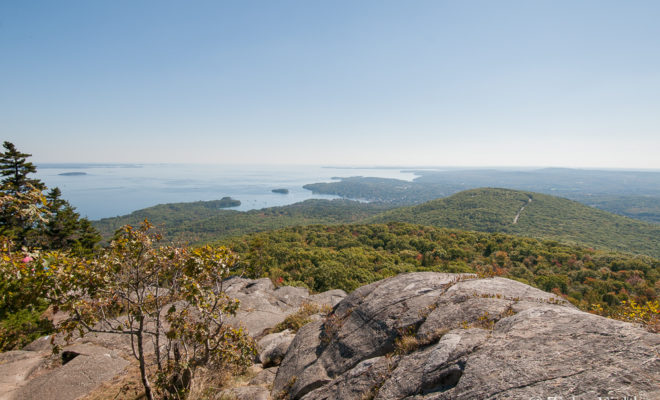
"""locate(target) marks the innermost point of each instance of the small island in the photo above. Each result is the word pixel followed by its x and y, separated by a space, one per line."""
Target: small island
pixel 225 202
pixel 73 173
pixel 281 191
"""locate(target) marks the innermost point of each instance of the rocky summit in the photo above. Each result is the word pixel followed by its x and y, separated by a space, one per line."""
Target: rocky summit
pixel 445 336
pixel 98 359
pixel 413 336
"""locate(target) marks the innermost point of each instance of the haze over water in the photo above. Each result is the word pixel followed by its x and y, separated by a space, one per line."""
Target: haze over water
pixel 109 190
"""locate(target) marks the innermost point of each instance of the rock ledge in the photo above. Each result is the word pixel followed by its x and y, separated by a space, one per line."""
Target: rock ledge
pixel 445 336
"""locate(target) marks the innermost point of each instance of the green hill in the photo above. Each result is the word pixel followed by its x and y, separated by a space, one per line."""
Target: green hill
pixel 203 221
pixel 532 214
pixel 486 210
pixel 634 194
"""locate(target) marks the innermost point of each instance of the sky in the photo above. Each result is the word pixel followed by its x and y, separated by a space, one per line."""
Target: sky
pixel 405 83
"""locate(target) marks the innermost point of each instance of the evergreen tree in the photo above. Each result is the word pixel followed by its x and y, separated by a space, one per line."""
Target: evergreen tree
pixel 65 228
pixel 22 211
pixel 15 168
pixel 31 220
pixel 88 237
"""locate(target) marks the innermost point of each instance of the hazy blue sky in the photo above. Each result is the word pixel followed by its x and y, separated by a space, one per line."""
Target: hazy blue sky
pixel 547 83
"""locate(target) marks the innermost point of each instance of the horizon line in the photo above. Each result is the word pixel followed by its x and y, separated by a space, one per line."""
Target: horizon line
pixel 79 164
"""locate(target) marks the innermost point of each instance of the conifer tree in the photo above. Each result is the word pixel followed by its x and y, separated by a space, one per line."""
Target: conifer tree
pixel 65 228
pixel 15 168
pixel 51 223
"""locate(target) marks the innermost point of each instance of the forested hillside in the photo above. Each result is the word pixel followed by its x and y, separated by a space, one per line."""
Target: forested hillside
pixel 634 194
pixel 393 191
pixel 532 214
pixel 487 210
pixel 201 222
pixel 645 208
pixel 348 256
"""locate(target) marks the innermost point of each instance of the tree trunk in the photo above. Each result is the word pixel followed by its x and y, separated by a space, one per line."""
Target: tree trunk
pixel 143 367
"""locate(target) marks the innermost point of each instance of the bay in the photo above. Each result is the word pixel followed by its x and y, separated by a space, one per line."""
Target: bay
pixel 108 190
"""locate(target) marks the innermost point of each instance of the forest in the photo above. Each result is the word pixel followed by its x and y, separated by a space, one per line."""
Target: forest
pixel 485 210
pixel 197 223
pixel 536 215
pixel 323 257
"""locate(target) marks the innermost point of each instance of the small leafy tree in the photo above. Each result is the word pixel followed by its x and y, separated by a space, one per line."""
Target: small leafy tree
pixel 169 300
pixel 647 314
pixel 21 213
pixel 23 287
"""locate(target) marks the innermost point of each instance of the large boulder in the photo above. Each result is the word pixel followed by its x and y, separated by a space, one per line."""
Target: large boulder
pixel 445 336
pixel 364 325
pixel 84 368
pixel 329 298
pixel 273 347
pixel 262 306
pixel 264 377
pixel 16 368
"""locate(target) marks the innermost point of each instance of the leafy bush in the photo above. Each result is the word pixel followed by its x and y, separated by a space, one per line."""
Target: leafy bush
pixel 173 296
pixel 646 314
pixel 23 285
pixel 22 327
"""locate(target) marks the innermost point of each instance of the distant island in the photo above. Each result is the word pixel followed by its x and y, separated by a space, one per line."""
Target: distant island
pixel 281 191
pixel 73 173
pixel 224 202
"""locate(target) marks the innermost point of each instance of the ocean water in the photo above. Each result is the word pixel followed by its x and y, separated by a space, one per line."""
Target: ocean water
pixel 109 190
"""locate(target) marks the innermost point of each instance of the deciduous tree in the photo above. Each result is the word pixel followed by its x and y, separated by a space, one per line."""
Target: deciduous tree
pixel 169 300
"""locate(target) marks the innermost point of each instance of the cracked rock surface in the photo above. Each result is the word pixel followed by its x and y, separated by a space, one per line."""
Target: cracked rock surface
pixel 262 306
pixel 444 336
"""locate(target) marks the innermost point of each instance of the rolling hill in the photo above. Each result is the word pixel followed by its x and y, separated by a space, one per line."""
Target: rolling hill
pixel 534 215
pixel 486 210
pixel 202 221
pixel 634 194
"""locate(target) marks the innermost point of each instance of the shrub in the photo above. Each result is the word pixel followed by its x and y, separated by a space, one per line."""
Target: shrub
pixel 647 314
pixel 171 296
pixel 22 327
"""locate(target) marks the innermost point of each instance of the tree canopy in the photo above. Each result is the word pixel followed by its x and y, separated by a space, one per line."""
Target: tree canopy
pixel 31 219
pixel 15 168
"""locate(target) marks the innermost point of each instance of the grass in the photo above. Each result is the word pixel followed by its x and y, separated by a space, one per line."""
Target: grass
pixel 301 317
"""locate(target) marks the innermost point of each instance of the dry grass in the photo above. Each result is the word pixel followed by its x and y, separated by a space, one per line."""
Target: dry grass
pixel 206 385
pixel 301 317
pixel 125 386
pixel 407 344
